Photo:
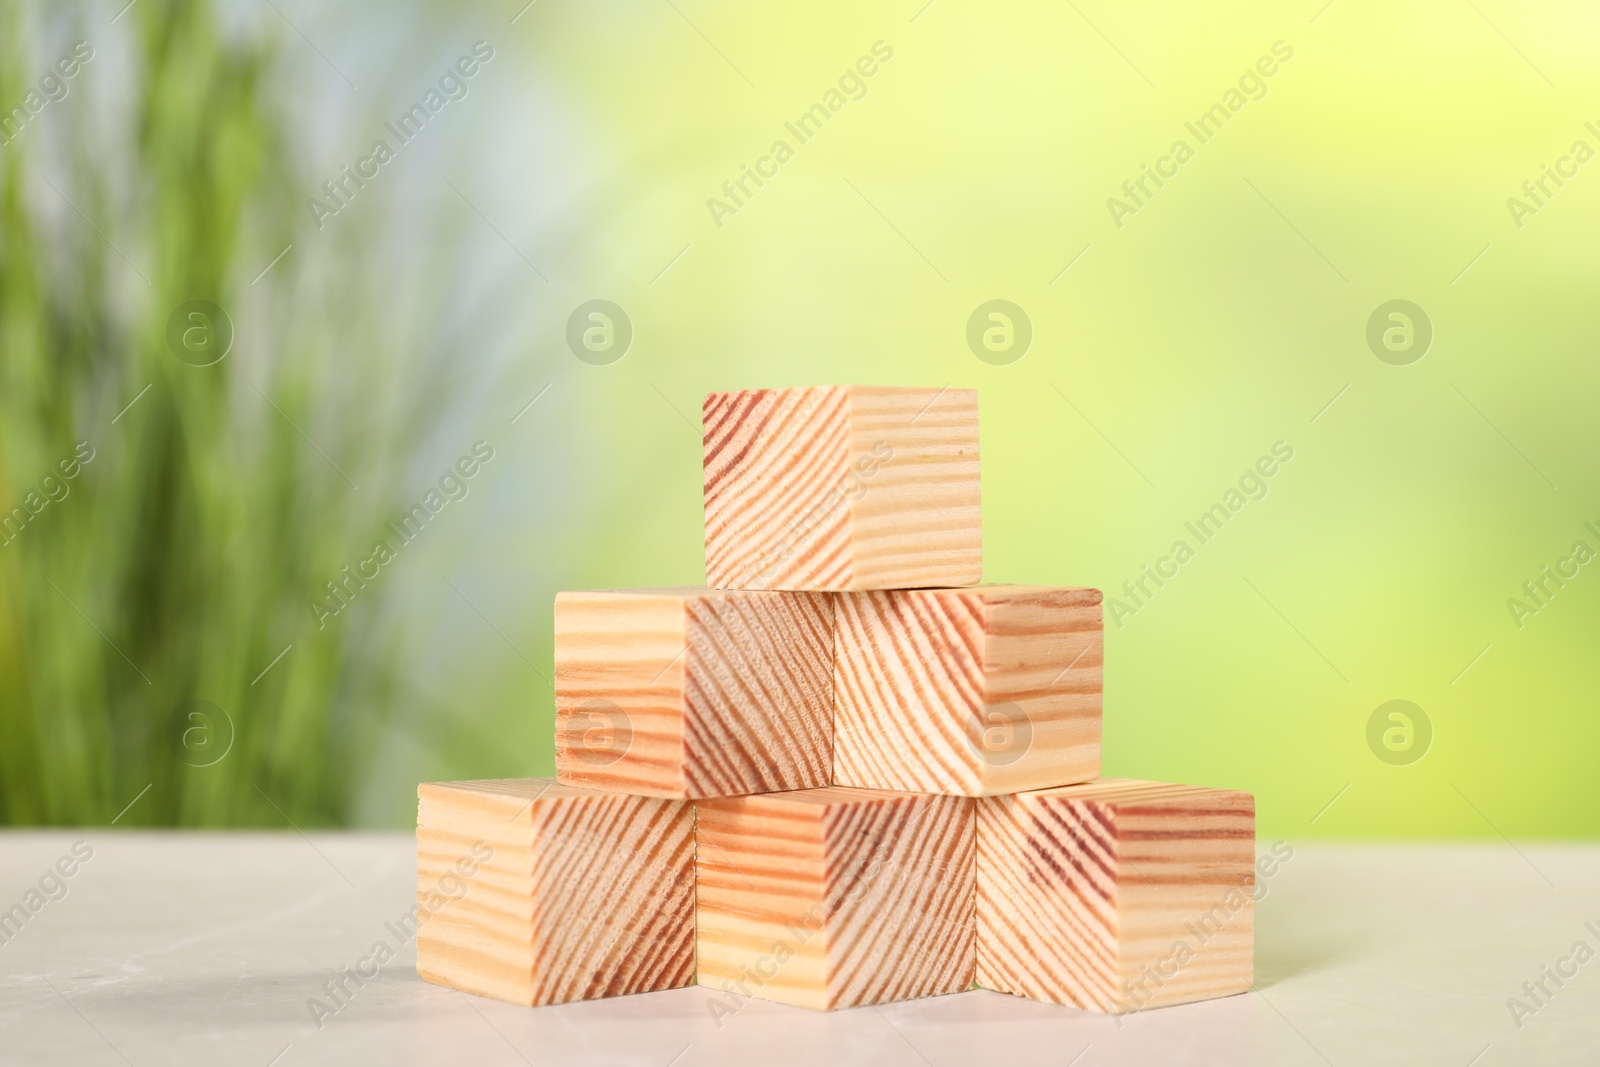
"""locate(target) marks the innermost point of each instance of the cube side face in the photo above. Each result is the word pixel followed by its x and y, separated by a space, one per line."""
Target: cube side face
pixel 758 694
pixel 899 895
pixel 1188 929
pixel 1043 667
pixel 613 897
pixel 475 893
pixel 619 691
pixel 913 488
pixel 759 886
pixel 775 467
pixel 1047 900
pixel 908 683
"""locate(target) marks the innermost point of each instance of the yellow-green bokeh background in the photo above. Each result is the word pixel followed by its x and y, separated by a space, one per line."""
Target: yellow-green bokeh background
pixel 1194 337
pixel 1223 317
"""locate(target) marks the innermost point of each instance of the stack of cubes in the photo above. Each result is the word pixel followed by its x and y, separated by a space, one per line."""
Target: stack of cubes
pixel 843 773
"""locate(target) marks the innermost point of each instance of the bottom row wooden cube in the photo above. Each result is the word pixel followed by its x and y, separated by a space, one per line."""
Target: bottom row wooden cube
pixel 1117 895
pixel 1114 896
pixel 534 892
pixel 834 898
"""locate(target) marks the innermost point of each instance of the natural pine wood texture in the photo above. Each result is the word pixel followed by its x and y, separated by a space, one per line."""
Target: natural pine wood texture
pixel 993 689
pixel 534 892
pixel 834 898
pixel 842 487
pixel 1117 895
pixel 694 692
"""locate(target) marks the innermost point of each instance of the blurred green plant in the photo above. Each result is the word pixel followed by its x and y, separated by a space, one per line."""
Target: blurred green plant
pixel 180 562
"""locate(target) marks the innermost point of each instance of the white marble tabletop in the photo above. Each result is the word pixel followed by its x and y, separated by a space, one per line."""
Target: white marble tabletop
pixel 213 948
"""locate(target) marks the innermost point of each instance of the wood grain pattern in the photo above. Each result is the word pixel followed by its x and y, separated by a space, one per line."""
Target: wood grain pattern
pixel 842 487
pixel 1117 895
pixel 533 892
pixel 832 898
pixel 693 692
pixel 993 689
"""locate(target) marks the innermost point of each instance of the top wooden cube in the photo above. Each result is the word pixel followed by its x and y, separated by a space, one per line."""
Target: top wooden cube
pixel 834 488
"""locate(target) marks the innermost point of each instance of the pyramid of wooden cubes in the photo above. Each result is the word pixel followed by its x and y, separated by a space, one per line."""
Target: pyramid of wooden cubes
pixel 844 772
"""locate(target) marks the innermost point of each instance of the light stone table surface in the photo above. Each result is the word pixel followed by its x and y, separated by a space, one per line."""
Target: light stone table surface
pixel 191 948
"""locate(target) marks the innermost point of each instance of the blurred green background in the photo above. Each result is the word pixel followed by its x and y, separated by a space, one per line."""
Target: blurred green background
pixel 1171 347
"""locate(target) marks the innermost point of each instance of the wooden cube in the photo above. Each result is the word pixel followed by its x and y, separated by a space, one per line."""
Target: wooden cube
pixel 534 892
pixel 1117 895
pixel 833 898
pixel 842 487
pixel 693 692
pixel 994 689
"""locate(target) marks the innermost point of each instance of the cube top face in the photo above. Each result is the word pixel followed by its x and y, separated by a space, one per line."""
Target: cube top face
pixel 972 692
pixel 834 898
pixel 533 892
pixel 842 487
pixel 491 802
pixel 1117 895
pixel 1134 797
pixel 693 692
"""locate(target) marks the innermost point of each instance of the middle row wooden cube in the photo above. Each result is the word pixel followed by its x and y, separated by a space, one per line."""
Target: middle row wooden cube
pixel 694 692
pixel 974 692
pixel 702 692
